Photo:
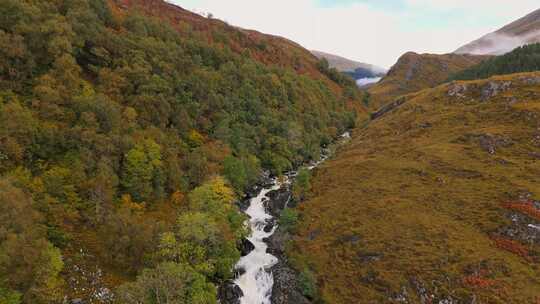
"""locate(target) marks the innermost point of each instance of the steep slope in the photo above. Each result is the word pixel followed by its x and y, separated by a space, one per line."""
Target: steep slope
pixel 522 31
pixel 346 65
pixel 436 202
pixel 128 130
pixel 268 49
pixel 414 72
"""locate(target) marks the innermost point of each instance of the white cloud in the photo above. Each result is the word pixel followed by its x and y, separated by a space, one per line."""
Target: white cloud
pixel 359 31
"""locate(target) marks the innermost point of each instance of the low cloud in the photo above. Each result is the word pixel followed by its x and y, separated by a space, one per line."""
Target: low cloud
pixel 356 31
pixel 498 44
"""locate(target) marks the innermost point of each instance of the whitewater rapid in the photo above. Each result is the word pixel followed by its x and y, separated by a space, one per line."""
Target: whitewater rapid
pixel 257 280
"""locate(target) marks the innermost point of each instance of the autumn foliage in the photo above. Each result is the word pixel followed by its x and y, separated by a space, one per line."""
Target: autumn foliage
pixel 527 208
pixel 511 246
pixel 478 280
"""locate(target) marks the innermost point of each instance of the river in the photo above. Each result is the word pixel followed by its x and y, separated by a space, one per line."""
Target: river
pixel 256 281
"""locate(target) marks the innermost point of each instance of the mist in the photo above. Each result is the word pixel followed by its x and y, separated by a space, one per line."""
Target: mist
pixel 499 44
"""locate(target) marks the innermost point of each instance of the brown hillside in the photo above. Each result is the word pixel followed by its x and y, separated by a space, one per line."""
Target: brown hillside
pixel 414 72
pixel 436 202
pixel 268 49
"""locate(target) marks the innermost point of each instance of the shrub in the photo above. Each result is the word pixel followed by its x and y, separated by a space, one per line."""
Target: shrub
pixel 302 184
pixel 288 219
pixel 512 246
pixel 308 283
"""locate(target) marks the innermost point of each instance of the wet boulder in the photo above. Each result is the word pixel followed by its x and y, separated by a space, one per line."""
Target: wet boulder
pixel 246 247
pixel 270 224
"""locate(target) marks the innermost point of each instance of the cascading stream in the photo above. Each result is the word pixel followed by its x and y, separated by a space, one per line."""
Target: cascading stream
pixel 256 282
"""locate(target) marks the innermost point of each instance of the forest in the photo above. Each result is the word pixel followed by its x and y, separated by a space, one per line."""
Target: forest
pixel 523 59
pixel 133 138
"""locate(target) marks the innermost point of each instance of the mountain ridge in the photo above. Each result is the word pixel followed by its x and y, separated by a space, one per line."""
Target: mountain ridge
pixel 522 31
pixel 413 72
pixel 343 64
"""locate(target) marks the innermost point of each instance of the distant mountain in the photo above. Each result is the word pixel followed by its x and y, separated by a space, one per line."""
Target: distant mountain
pixel 355 69
pixel 523 31
pixel 413 72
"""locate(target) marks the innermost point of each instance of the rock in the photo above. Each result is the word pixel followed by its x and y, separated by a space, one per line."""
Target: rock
pixel 521 228
pixel 531 80
pixel 278 199
pixel 238 272
pixel 490 143
pixel 252 192
pixel 351 238
pixel 457 90
pixel 276 244
pixel 229 293
pixel 387 108
pixel 366 257
pixel 77 301
pixel 286 286
pixel 492 89
pixel 269 225
pixel 425 125
pixel 246 247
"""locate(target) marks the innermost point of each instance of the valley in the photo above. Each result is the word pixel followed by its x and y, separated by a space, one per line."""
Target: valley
pixel 152 155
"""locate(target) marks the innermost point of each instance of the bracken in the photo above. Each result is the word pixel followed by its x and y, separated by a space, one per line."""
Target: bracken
pixel 527 208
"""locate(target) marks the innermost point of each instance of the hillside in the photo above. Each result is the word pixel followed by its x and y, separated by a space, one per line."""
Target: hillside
pixel 522 31
pixel 347 65
pixel 522 59
pixel 413 72
pixel 128 131
pixel 435 202
pixel 357 70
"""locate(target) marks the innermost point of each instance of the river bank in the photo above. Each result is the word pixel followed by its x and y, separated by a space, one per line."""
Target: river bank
pixel 264 274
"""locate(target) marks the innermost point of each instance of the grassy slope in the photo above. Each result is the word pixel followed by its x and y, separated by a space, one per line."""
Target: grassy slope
pixel 425 200
pixel 414 72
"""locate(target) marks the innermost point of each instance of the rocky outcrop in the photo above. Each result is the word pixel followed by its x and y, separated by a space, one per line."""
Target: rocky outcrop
pixel 493 88
pixel 387 108
pixel 287 288
pixel 229 293
pixel 278 200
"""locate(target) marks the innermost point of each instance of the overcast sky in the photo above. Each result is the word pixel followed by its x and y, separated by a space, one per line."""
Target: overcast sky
pixel 371 31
